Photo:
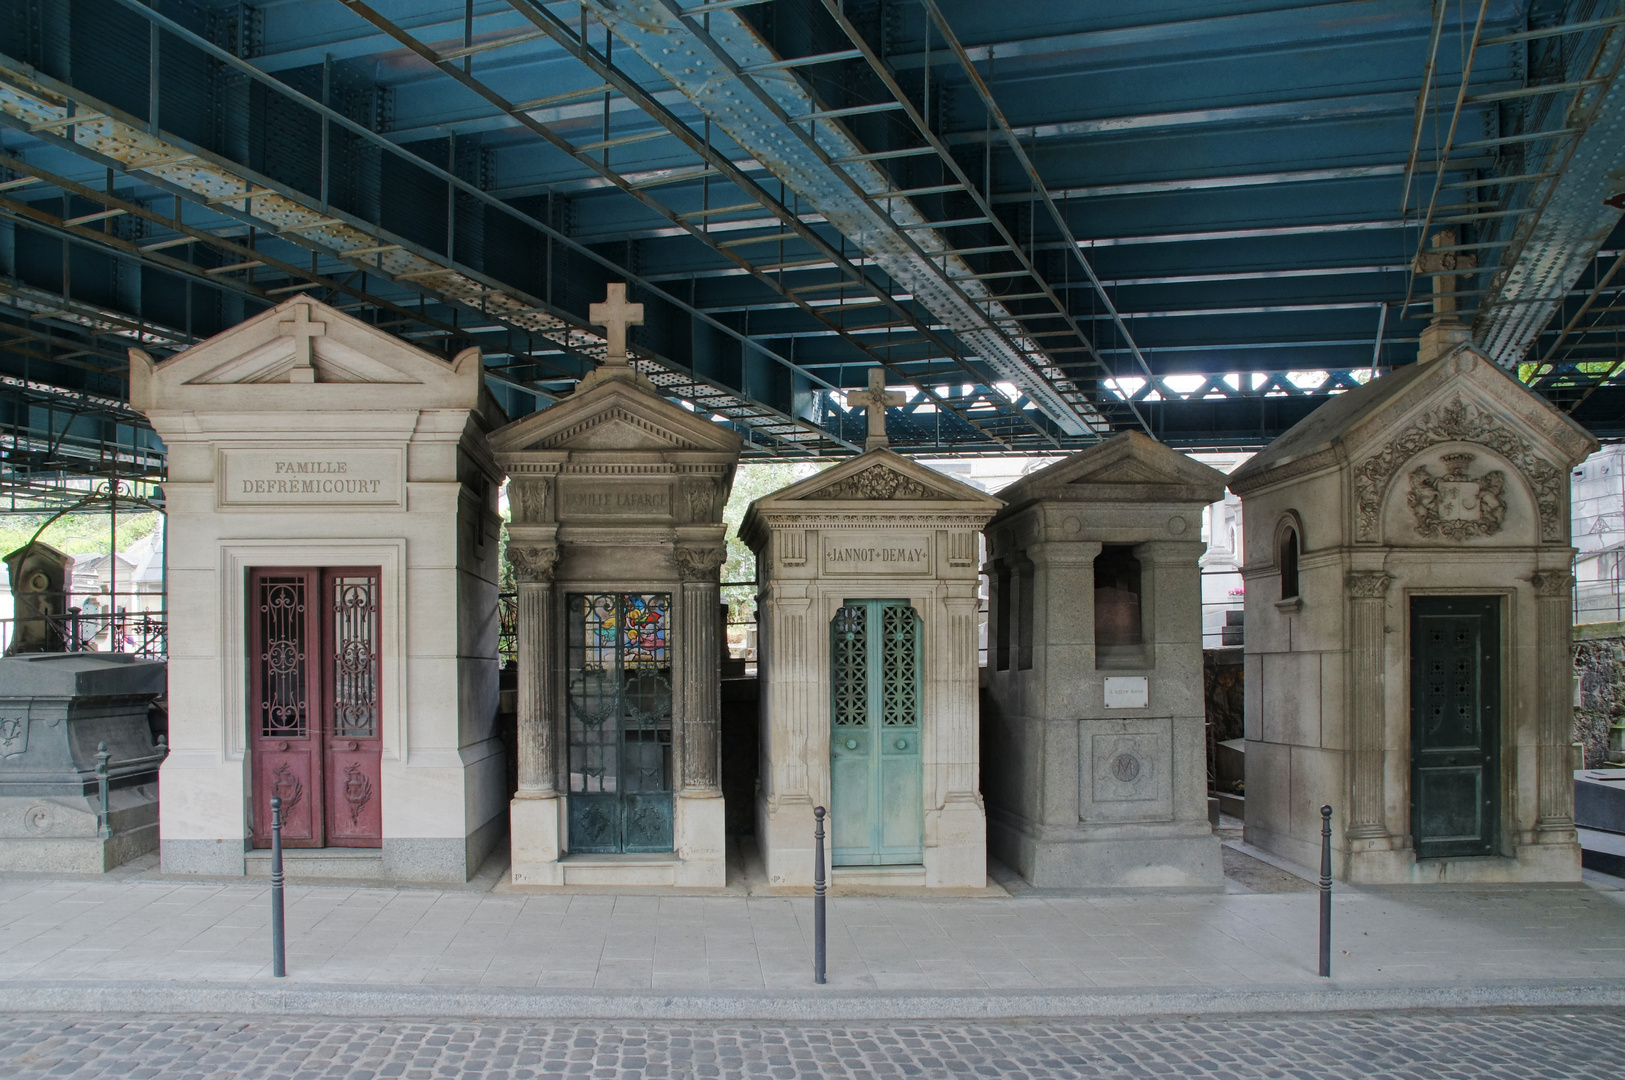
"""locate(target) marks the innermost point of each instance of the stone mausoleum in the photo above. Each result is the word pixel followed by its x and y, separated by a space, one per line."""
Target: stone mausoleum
pixel 867 611
pixel 1408 626
pixel 617 543
pixel 333 538
pixel 1094 760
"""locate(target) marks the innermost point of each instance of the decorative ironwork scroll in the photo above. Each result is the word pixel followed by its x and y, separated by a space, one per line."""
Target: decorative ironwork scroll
pixel 282 659
pixel 355 656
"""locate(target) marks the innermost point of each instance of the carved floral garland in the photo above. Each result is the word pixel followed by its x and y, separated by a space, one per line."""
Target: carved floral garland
pixel 1457 421
pixel 875 482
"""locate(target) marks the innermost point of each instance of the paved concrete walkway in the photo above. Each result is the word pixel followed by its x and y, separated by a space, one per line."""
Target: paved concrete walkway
pixel 138 933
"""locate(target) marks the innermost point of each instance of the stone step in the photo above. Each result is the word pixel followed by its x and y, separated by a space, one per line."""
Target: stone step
pixel 349 863
pixel 656 868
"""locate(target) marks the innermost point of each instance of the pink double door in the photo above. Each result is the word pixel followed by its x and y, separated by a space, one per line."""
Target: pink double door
pixel 313 709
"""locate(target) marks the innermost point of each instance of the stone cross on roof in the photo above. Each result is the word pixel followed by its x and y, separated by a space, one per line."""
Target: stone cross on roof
pixel 1446 331
pixel 1439 262
pixel 614 314
pixel 874 401
pixel 304 332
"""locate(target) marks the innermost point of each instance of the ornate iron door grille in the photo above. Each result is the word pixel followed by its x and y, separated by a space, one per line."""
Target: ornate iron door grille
pixel 314 736
pixel 1455 725
pixel 619 712
pixel 876 810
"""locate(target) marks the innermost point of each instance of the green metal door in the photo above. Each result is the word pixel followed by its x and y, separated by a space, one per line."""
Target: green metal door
pixel 619 713
pixel 876 816
pixel 1455 725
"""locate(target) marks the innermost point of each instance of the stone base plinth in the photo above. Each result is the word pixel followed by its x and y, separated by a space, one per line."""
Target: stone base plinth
pixel 956 846
pixel 700 827
pixel 58 833
pixel 536 833
pixel 784 834
pixel 540 835
pixel 1176 856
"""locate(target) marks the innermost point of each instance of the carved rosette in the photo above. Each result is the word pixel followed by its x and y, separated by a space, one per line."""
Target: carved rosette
pixel 1368 584
pixel 1459 421
pixel 875 482
pixel 533 562
pixel 698 563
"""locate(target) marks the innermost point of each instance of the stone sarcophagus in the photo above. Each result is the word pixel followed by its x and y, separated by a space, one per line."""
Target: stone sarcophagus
pixel 57 712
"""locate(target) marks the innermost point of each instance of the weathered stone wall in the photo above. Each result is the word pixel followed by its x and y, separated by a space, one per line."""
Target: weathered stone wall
pixel 1599 664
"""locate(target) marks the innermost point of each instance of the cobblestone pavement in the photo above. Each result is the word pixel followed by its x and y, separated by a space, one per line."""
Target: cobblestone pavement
pixel 1564 1045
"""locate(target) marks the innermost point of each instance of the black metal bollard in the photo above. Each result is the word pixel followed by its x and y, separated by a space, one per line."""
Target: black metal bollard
pixel 279 941
pixel 818 895
pixel 1326 891
pixel 104 822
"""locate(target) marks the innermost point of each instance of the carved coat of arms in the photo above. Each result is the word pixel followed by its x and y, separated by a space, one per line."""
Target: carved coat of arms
pixel 1457 505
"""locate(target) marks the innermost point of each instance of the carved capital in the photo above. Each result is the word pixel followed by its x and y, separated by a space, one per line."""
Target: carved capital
pixel 698 563
pixel 1552 583
pixel 532 563
pixel 1367 584
pixel 530 499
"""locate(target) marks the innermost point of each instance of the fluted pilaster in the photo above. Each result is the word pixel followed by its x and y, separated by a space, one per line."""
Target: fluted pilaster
pixel 537 640
pixel 1554 617
pixel 699 654
pixel 1368 721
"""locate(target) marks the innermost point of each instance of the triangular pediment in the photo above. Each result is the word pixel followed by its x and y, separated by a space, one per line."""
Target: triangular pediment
pixel 880 476
pixel 1129 467
pixel 1460 397
pixel 615 412
pixel 304 354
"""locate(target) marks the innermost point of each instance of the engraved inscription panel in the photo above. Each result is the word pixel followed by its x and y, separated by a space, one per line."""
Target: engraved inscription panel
pixel 312 477
pixel 887 554
pixel 587 499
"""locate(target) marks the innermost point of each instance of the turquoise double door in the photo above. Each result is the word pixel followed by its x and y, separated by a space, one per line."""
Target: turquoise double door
pixel 876 811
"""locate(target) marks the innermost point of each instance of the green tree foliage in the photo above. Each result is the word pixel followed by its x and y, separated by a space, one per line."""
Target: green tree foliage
pixel 75 534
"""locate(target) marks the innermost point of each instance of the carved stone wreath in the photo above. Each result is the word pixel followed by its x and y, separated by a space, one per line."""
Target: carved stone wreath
pixel 875 482
pixel 1458 421
pixel 1456 505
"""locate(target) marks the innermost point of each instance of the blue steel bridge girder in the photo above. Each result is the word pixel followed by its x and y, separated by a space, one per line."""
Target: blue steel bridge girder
pixel 1230 170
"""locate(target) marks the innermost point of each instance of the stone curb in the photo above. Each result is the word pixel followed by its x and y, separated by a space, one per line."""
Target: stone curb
pixel 337 1000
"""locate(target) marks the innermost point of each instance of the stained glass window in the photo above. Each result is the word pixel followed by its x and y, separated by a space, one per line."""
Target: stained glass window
pixel 620 721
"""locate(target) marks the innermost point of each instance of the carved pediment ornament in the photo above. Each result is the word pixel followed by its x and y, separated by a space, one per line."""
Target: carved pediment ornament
pixel 1367 584
pixel 533 563
pixel 875 482
pixel 698 563
pixel 1458 421
pixel 1456 505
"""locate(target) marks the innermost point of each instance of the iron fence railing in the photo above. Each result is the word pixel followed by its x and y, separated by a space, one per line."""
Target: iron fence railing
pixel 143 633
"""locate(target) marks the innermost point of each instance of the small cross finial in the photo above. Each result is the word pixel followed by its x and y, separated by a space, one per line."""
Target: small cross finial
pixel 874 401
pixel 1439 262
pixel 303 331
pixel 1446 331
pixel 614 314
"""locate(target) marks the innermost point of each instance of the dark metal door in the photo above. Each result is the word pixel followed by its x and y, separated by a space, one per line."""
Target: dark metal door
pixel 1455 725
pixel 620 721
pixel 314 737
pixel 876 804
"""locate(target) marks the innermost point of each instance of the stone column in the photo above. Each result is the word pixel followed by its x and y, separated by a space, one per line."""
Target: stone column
pixel 699 657
pixel 537 638
pixel 1367 592
pixel 957 711
pixel 1554 712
